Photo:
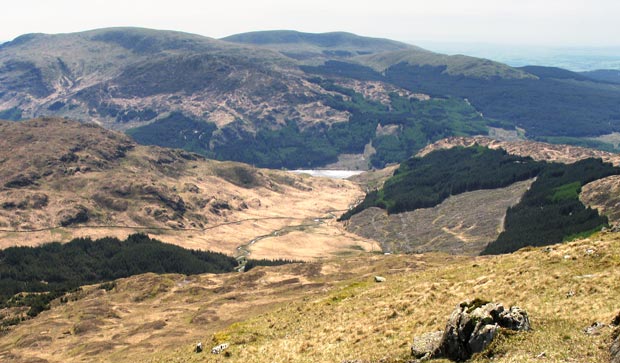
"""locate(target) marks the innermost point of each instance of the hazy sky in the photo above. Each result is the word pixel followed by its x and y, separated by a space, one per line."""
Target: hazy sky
pixel 544 22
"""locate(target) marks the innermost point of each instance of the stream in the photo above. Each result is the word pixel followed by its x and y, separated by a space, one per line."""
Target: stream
pixel 243 251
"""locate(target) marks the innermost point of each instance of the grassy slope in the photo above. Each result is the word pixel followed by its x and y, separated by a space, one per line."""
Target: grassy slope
pixel 330 39
pixel 368 321
pixel 383 318
pixel 605 75
pixel 455 64
pixel 333 311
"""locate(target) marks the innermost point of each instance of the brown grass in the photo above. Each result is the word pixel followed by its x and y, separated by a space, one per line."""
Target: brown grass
pixel 333 310
pixel 140 189
pixel 377 322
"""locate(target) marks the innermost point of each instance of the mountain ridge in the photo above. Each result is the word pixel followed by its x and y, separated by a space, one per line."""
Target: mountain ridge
pixel 258 105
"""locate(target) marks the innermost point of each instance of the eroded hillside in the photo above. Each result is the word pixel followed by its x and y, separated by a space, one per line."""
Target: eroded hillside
pixel 462 224
pixel 463 195
pixel 601 195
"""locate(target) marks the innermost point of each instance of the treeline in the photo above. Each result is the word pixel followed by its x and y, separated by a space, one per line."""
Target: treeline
pixel 413 124
pixel 50 270
pixel 550 210
pixel 428 181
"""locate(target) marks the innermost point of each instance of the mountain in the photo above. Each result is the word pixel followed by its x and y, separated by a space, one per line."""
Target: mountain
pixel 94 74
pixel 294 100
pixel 62 179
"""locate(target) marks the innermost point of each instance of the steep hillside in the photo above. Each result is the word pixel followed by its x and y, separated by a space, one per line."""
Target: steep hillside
pixel 333 311
pixel 463 224
pixel 61 179
pixel 431 204
pixel 221 99
pixel 601 194
pixel 127 76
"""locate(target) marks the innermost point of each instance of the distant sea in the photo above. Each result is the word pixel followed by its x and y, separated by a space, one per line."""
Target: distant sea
pixel 577 59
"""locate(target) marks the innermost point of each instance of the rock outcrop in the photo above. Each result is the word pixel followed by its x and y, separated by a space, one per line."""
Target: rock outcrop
pixel 470 329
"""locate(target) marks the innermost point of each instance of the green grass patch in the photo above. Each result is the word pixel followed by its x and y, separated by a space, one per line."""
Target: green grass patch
pixel 566 191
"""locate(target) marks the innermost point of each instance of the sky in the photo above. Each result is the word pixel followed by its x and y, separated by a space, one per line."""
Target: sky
pixel 535 22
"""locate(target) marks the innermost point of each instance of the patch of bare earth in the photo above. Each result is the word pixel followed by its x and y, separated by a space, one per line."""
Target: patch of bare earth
pixel 604 196
pixel 462 224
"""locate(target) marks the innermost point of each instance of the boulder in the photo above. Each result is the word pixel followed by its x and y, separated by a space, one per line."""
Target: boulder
pixel 198 348
pixel 474 324
pixel 220 348
pixel 380 279
pixel 595 329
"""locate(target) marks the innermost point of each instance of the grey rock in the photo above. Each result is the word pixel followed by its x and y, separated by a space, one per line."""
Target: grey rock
pixel 425 345
pixel 482 337
pixel 514 319
pixel 595 328
pixel 220 348
pixel 615 348
pixel 474 324
pixel 380 279
pixel 198 348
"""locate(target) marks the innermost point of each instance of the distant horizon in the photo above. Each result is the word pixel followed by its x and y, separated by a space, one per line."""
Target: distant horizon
pixel 553 22
pixel 421 42
pixel 575 58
